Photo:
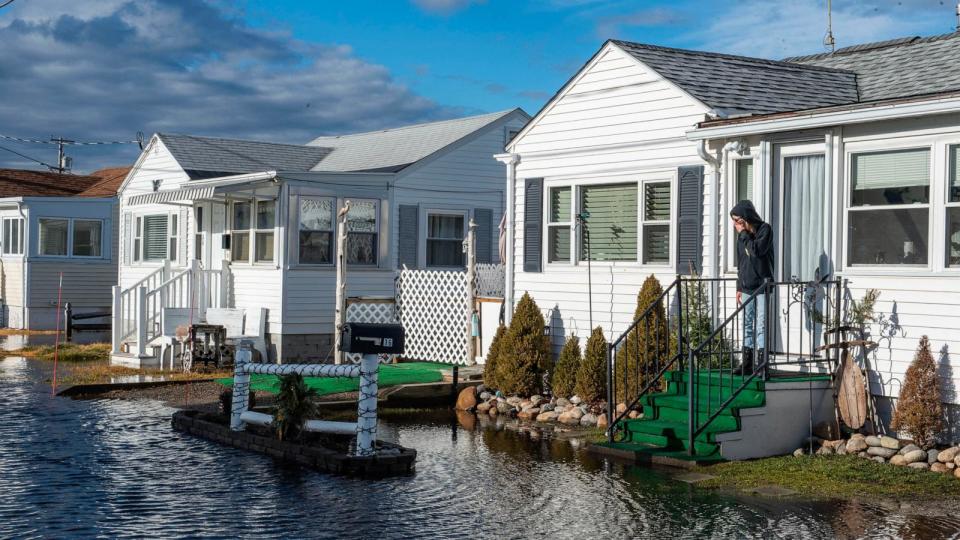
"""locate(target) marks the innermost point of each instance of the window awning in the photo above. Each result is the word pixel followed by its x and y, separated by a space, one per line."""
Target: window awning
pixel 199 189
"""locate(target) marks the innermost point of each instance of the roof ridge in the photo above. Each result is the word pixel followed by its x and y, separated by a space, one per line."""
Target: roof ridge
pixel 873 46
pixel 754 59
pixel 496 114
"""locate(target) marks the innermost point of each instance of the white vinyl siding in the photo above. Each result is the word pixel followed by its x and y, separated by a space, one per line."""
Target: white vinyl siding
pixel 610 231
pixel 13 236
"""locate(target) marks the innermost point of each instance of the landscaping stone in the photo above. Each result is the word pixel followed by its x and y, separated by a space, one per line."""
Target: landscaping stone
pixel 956 460
pixel 863 454
pixel 576 413
pixel 878 459
pixel 956 472
pixel 485 396
pixel 563 402
pixel 504 407
pixel 932 456
pixel 856 444
pixel 561 409
pixel 568 418
pixel 872 440
pixel 536 400
pixel 602 421
pixel 621 408
pixel 841 448
pixel 529 413
pixel 525 404
pixel 634 414
pixel 824 451
pixel 889 442
pixel 916 456
pixel 798 452
pixel 494 411
pixel 483 408
pixel 939 468
pixel 548 416
pixel 576 400
pixel 547 407
pixel 950 465
pixel 588 419
pixel 898 460
pixel 910 448
pixel 882 452
pixel 514 400
pixel 948 455
pixel 467 399
pixel 919 465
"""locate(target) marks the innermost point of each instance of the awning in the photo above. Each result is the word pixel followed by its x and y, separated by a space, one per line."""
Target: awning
pixel 199 189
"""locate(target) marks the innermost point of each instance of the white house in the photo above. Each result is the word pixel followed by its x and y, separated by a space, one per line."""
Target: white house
pixel 853 156
pixel 259 219
pixel 53 225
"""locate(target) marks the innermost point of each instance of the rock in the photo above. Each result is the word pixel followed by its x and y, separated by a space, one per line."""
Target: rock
pixel 824 451
pixel 634 414
pixel 898 460
pixel 919 465
pixel 798 452
pixel 948 455
pixel 939 468
pixel 547 407
pixel 621 408
pixel 856 444
pixel 576 400
pixel 563 402
pixel 588 419
pixel 863 455
pixel 889 442
pixel 956 472
pixel 956 460
pixel 915 456
pixel 950 465
pixel 910 448
pixel 575 413
pixel 878 459
pixel 484 408
pixel 561 409
pixel 514 400
pixel 536 400
pixel 841 449
pixel 932 456
pixel 481 388
pixel 568 418
pixel 529 413
pixel 879 451
pixel 548 416
pixel 524 404
pixel 485 396
pixel 857 436
pixel 494 411
pixel 503 407
pixel 602 421
pixel 467 399
pixel 872 440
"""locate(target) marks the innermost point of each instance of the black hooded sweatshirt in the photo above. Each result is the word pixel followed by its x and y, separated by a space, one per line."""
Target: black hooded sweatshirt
pixel 755 249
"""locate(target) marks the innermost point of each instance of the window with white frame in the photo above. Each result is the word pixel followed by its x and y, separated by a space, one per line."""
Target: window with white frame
pixel 54 235
pixel 198 236
pixel 65 237
pixel 252 230
pixel 656 223
pixel 240 231
pixel 610 231
pixel 263 235
pixel 889 208
pixel 362 232
pixel 559 224
pixel 316 230
pixel 953 206
pixel 742 190
pixel 155 238
pixel 445 238
pixel 13 236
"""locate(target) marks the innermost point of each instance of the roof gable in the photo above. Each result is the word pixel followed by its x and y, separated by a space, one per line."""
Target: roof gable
pixel 202 156
pixel 24 183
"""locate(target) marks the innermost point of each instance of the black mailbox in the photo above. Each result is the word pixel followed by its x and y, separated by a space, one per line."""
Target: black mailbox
pixel 367 338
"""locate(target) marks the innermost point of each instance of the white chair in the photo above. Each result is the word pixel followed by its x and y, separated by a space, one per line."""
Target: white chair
pixel 243 324
pixel 170 320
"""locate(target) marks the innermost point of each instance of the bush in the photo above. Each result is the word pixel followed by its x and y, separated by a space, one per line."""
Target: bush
pixel 564 379
pixel 644 343
pixel 525 352
pixel 591 383
pixel 294 405
pixel 490 377
pixel 920 409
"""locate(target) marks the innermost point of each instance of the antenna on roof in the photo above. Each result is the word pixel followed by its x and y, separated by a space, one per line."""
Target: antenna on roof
pixel 828 40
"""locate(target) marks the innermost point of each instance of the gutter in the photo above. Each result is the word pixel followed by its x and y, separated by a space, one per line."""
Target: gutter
pixel 511 161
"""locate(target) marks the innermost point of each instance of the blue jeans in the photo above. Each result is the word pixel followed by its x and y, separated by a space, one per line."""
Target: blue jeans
pixel 755 313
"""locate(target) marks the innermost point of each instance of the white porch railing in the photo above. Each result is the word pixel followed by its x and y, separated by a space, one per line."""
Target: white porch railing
pixel 136 310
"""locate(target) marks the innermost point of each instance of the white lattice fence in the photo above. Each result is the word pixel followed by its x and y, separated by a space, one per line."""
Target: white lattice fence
pixel 491 279
pixel 374 311
pixel 432 307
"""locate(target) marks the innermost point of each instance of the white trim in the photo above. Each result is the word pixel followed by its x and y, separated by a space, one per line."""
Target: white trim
pixel 18 241
pixel 424 238
pixel 334 206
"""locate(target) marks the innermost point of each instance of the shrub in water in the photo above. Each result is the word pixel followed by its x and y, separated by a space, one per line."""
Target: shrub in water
pixel 647 341
pixel 490 377
pixel 524 354
pixel 294 406
pixel 592 373
pixel 564 379
pixel 920 409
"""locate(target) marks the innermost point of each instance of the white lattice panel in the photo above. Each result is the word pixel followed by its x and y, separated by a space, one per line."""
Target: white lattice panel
pixel 372 312
pixel 432 307
pixel 491 279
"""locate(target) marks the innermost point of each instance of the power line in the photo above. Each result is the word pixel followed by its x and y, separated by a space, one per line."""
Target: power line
pixel 5 4
pixel 72 143
pixel 26 156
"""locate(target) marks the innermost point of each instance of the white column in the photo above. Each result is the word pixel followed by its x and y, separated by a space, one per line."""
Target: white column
pixel 116 329
pixel 511 161
pixel 141 321
pixel 225 276
pixel 471 290
pixel 341 306
pixel 241 385
pixel 367 406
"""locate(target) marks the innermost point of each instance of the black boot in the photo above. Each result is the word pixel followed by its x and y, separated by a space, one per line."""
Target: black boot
pixel 746 365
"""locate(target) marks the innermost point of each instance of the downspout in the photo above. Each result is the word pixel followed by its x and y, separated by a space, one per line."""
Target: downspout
pixel 511 161
pixel 24 282
pixel 715 166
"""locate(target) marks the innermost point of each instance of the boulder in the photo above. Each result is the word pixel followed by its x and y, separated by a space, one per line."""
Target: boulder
pixel 621 408
pixel 524 404
pixel 576 400
pixel 878 459
pixel 932 456
pixel 602 421
pixel 889 442
pixel 484 407
pixel 503 407
pixel 485 396
pixel 956 472
pixel 956 460
pixel 863 454
pixel 547 407
pixel 494 411
pixel 467 399
pixel 561 409
pixel 916 456
pixel 588 419
pixel 634 414
pixel 872 440
pixel 841 449
pixel 548 416
pixel 898 460
pixel 910 448
pixel 939 468
pixel 824 451
pixel 950 465
pixel 856 444
pixel 798 452
pixel 568 418
pixel 948 455
pixel 563 402
pixel 514 400
pixel 857 436
pixel 529 413
pixel 923 465
pixel 576 413
pixel 536 400
pixel 880 451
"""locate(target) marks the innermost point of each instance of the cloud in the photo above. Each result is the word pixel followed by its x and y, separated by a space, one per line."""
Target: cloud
pixel 444 7
pixel 108 69
pixel 609 26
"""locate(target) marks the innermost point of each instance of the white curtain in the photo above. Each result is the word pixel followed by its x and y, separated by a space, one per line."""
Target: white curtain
pixel 804 249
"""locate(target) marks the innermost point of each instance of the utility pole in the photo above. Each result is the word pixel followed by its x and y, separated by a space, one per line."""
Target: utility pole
pixel 63 161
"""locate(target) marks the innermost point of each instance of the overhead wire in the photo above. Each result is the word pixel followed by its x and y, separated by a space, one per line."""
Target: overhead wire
pixel 26 156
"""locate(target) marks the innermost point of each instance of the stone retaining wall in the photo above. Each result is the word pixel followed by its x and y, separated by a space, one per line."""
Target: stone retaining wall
pixel 391 459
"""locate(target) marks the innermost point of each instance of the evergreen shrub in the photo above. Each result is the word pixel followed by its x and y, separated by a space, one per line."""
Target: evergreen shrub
pixel 920 408
pixel 524 354
pixel 564 379
pixel 591 385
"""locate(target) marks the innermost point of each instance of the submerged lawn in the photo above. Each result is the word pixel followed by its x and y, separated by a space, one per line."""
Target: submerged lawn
pixel 69 352
pixel 103 372
pixel 833 476
pixel 390 375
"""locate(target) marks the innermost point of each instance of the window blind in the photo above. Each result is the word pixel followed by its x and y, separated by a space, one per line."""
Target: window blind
pixel 154 237
pixel 610 233
pixel 890 169
pixel 744 179
pixel 560 205
pixel 656 201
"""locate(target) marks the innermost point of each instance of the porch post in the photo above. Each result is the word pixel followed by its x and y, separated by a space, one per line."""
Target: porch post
pixel 141 321
pixel 224 300
pixel 116 329
pixel 341 307
pixel 471 291
pixel 194 285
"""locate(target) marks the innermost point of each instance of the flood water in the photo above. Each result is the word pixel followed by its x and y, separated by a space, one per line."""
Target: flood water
pixel 112 468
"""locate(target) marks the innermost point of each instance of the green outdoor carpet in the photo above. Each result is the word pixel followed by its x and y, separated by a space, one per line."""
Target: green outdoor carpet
pixel 390 375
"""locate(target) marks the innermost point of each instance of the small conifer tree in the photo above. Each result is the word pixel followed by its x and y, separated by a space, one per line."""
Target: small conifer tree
pixel 645 343
pixel 525 352
pixel 591 382
pixel 563 381
pixel 920 408
pixel 490 378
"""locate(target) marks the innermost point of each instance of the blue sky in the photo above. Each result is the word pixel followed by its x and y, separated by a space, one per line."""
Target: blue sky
pixel 288 70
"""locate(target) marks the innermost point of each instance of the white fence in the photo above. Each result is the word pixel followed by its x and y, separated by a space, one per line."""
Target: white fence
pixel 432 307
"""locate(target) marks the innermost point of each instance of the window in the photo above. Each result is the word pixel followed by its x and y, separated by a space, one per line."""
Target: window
pixel 266 218
pixel 610 231
pixel 744 180
pixel 362 232
pixel 53 237
pixel 240 232
pixel 953 207
pixel 155 238
pixel 87 237
pixel 172 239
pixel 252 228
pixel 656 223
pixel 445 240
pixel 13 236
pixel 889 213
pixel 198 237
pixel 559 224
pixel 316 230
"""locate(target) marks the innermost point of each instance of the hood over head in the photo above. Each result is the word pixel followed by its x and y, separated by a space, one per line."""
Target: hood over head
pixel 744 209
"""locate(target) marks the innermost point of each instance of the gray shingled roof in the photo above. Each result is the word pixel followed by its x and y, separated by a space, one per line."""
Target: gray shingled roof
pixel 204 157
pixel 897 68
pixel 393 149
pixel 738 85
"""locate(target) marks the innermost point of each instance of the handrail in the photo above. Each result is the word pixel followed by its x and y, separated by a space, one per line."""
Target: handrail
pixel 167 283
pixel 646 312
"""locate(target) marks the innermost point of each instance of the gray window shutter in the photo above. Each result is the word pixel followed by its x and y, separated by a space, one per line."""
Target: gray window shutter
pixel 689 219
pixel 532 224
pixel 127 237
pixel 407 235
pixel 483 217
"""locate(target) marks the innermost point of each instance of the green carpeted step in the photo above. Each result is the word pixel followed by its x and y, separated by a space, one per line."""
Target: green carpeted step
pixel 726 418
pixel 715 378
pixel 647 440
pixel 745 400
pixel 678 428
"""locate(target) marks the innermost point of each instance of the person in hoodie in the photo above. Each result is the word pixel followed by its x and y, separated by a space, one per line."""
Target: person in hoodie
pixel 754 267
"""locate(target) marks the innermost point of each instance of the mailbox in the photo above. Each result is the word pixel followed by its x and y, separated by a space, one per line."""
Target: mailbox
pixel 367 338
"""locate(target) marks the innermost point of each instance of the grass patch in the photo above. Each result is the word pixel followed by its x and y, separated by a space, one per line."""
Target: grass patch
pixel 390 375
pixel 832 477
pixel 21 332
pixel 69 352
pixel 101 372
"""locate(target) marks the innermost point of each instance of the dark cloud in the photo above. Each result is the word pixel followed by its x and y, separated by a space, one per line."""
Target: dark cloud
pixel 113 68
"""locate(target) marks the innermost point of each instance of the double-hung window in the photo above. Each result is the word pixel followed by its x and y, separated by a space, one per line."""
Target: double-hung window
pixel 54 235
pixel 13 236
pixel 316 230
pixel 559 224
pixel 656 223
pixel 610 232
pixel 263 236
pixel 155 238
pixel 742 190
pixel 362 232
pixel 252 230
pixel 87 238
pixel 240 231
pixel 889 211
pixel 63 237
pixel 445 239
pixel 953 206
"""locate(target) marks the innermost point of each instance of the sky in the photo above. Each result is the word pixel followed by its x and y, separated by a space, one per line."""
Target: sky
pixel 291 70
